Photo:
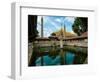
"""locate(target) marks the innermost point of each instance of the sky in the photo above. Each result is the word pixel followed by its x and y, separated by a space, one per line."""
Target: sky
pixel 54 23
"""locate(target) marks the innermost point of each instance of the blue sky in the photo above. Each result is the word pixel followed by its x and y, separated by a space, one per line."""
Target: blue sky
pixel 54 23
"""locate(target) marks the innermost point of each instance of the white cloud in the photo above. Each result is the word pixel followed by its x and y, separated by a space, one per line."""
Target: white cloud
pixel 70 19
pixel 39 20
pixel 58 20
pixel 73 32
pixel 48 22
pixel 39 29
pixel 47 30
pixel 55 25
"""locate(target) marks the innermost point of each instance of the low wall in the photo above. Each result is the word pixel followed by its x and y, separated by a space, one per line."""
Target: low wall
pixel 57 43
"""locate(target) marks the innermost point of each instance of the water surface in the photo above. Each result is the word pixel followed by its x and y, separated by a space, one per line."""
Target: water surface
pixel 54 56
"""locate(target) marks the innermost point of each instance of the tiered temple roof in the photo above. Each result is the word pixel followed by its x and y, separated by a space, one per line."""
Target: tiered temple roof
pixel 63 33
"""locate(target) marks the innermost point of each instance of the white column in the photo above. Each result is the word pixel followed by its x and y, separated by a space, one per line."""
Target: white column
pixel 61 43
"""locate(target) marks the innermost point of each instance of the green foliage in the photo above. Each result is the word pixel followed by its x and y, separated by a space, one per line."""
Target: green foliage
pixel 80 25
pixel 53 34
pixel 32 28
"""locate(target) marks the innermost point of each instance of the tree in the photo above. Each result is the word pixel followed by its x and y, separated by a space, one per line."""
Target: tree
pixel 53 34
pixel 32 27
pixel 80 25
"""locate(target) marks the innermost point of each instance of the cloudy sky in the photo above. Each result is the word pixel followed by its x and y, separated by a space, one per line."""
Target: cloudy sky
pixel 54 23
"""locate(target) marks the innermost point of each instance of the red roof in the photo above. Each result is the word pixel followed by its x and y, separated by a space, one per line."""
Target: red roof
pixel 85 34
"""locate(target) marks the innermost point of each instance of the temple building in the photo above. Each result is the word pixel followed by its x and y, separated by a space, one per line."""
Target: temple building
pixel 63 33
pixel 71 38
pixel 61 38
pixel 81 41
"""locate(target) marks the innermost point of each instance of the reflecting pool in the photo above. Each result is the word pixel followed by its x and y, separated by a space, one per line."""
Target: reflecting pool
pixel 56 56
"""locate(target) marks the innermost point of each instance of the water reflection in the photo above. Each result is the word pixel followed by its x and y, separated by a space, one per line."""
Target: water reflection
pixel 70 58
pixel 57 57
